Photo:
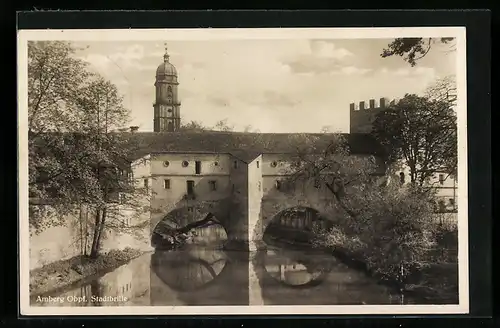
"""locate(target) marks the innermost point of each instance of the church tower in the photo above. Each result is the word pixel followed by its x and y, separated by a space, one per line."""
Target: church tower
pixel 167 117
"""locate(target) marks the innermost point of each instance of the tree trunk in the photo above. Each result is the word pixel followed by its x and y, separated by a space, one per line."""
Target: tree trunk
pixel 86 242
pixel 93 249
pixel 208 218
pixel 101 229
pixel 338 197
pixel 80 219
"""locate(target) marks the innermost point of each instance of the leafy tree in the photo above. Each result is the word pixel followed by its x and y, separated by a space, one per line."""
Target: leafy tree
pixel 103 177
pixel 249 129
pixel 326 129
pixel 193 126
pixel 412 49
pixel 420 133
pixel 388 228
pixel 74 157
pixel 443 89
pixel 54 80
pixel 222 125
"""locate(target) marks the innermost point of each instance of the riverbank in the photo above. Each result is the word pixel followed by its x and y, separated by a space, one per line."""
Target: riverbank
pixel 60 274
pixel 437 283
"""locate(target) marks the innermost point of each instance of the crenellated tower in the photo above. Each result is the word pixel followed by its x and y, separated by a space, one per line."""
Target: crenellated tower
pixel 167 116
pixel 362 116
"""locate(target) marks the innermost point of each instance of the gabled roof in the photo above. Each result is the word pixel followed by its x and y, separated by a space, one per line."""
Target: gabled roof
pixel 245 146
pixel 242 145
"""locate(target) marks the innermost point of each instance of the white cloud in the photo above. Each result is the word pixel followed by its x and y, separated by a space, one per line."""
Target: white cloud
pixel 324 49
pixel 353 70
pixel 402 72
pixel 276 85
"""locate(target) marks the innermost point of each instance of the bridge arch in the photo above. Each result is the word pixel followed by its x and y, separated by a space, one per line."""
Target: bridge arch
pixel 193 217
pixel 272 209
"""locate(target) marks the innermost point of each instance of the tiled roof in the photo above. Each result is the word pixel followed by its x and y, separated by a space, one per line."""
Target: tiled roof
pixel 245 146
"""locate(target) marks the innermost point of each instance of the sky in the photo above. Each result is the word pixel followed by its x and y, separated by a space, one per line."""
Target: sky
pixel 289 85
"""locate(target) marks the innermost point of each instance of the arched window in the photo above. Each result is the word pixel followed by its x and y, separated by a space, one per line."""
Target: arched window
pixel 402 178
pixel 169 89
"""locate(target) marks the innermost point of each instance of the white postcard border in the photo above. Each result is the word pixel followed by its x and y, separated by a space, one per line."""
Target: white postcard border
pixel 223 34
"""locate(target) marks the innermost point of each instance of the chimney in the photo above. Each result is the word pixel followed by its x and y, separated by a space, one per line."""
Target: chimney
pixel 372 103
pixel 382 103
pixel 361 105
pixel 134 129
pixel 353 106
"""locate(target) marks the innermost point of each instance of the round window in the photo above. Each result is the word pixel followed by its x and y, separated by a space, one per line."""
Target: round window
pixel 166 163
pixel 274 164
pixel 216 163
pixel 185 163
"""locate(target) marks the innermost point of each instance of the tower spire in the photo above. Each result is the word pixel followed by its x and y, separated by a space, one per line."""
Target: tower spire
pixel 166 55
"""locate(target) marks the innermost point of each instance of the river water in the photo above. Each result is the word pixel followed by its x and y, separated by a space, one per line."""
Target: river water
pixel 208 275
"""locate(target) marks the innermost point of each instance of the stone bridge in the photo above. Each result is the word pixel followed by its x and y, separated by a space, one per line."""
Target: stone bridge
pixel 245 219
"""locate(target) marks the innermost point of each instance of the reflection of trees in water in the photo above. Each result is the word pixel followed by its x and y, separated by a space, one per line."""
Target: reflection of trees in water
pixel 96 291
pixel 296 269
pixel 188 269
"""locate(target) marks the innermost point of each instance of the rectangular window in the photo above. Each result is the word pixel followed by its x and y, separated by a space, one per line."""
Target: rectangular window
pixel 257 164
pixel 146 183
pixel 166 183
pixel 441 179
pixel 213 185
pixel 197 165
pixel 190 187
pixel 235 164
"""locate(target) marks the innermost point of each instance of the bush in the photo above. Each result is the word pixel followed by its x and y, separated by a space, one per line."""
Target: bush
pixel 393 233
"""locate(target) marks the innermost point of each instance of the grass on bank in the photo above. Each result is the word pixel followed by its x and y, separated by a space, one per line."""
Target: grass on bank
pixel 67 272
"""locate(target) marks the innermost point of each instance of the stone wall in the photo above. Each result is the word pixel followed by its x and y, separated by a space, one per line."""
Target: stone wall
pixel 69 239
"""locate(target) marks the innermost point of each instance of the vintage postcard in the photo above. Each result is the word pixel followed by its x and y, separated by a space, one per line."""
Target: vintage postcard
pixel 243 171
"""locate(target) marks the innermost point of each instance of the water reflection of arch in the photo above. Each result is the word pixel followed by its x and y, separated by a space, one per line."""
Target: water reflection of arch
pixel 296 223
pixel 207 226
pixel 190 269
pixel 294 268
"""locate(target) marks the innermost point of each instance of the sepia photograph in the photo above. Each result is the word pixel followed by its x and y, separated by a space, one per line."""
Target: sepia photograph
pixel 243 171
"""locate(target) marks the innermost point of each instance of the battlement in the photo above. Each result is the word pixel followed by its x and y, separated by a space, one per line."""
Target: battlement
pixel 363 114
pixel 372 104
